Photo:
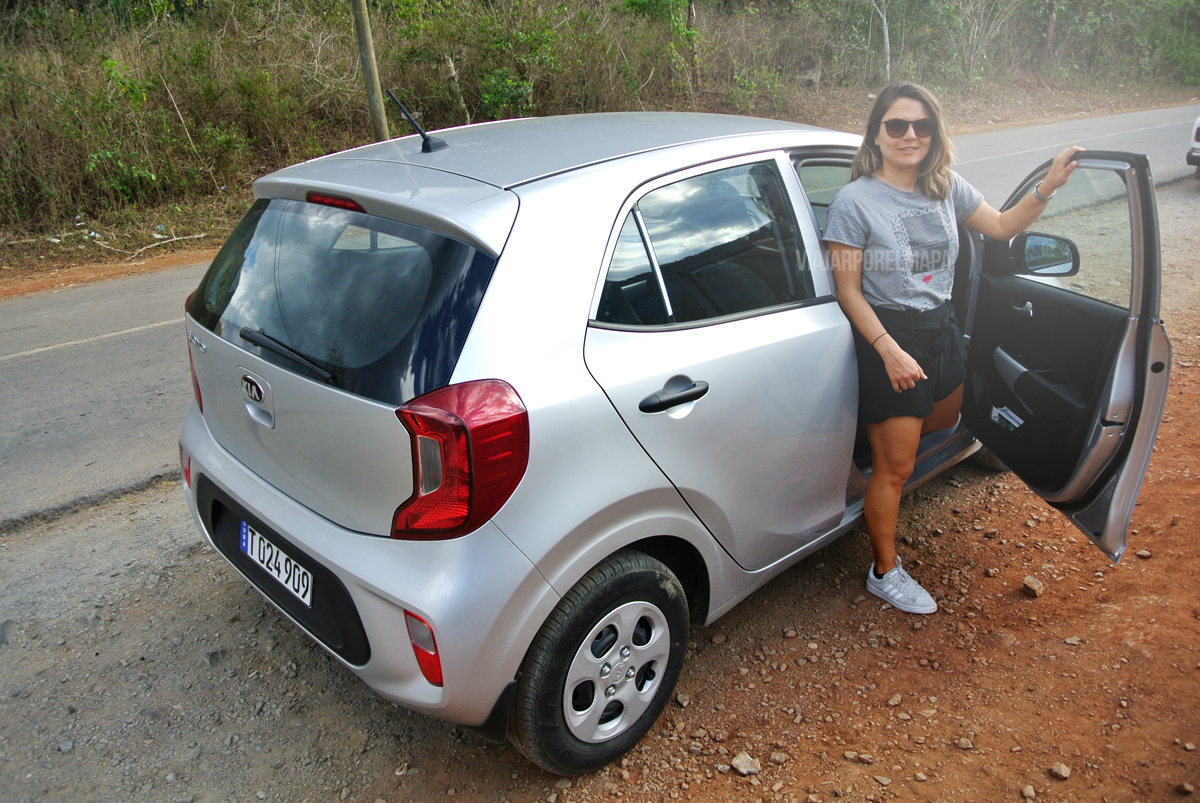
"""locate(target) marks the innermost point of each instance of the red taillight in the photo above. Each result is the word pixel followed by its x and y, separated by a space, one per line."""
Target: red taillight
pixel 185 467
pixel 334 200
pixel 470 446
pixel 420 634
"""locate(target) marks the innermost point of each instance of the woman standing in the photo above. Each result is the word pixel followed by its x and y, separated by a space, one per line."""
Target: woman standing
pixel 893 240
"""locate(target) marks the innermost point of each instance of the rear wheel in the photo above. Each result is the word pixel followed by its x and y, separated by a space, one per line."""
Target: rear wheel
pixel 602 667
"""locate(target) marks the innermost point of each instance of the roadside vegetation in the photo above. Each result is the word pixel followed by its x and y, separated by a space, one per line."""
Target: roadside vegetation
pixel 125 123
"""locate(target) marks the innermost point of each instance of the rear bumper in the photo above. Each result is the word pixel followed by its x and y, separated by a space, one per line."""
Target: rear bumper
pixel 482 597
pixel 1193 157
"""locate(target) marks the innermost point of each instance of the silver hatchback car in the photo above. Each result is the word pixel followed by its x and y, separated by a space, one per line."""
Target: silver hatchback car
pixel 497 422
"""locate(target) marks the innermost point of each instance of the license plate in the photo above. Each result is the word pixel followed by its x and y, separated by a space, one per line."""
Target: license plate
pixel 291 575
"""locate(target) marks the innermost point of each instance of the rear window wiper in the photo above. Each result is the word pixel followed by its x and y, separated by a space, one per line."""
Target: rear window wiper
pixel 263 340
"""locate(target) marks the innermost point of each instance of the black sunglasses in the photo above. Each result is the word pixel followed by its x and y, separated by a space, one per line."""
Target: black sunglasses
pixel 898 128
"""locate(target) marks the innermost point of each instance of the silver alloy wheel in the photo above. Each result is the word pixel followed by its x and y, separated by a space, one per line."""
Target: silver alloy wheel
pixel 616 672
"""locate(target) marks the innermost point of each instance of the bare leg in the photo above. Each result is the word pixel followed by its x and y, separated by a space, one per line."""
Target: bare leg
pixel 894 444
pixel 945 412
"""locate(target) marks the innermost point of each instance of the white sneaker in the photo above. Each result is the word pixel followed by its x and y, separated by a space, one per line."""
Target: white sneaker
pixel 903 592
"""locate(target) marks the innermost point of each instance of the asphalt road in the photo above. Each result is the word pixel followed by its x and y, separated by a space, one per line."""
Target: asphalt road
pixel 93 386
pixel 996 161
pixel 94 381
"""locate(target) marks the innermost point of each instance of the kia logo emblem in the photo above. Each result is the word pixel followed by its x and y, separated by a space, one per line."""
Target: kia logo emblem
pixel 252 389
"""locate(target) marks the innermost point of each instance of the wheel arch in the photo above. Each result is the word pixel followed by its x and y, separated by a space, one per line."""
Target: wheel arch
pixel 686 562
pixel 573 743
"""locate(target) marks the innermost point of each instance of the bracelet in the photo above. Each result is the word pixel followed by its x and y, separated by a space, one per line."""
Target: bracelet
pixel 1043 198
pixel 876 340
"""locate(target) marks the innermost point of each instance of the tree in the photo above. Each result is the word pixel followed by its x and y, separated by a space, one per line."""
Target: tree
pixel 680 15
pixel 979 23
pixel 881 8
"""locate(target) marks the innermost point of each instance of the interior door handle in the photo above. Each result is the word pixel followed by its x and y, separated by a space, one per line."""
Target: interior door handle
pixel 1024 309
pixel 678 390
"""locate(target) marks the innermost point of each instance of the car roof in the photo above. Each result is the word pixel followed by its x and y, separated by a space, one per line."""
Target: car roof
pixel 508 153
pixel 463 191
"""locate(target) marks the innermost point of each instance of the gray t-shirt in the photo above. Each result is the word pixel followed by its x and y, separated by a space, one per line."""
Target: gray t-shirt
pixel 909 242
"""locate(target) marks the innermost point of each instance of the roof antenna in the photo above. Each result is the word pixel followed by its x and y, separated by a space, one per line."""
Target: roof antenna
pixel 428 144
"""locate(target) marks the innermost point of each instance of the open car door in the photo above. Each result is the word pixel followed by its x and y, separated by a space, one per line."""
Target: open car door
pixel 1069 361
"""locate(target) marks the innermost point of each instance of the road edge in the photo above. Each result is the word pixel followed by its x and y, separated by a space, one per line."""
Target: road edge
pixel 15 523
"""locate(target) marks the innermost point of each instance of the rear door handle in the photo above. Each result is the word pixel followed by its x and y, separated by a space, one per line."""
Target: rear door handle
pixel 678 390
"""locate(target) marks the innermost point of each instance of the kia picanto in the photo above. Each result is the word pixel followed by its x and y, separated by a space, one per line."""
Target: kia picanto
pixel 497 418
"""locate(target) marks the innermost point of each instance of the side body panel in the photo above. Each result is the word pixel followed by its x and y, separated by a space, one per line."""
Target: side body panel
pixel 589 489
pixel 763 458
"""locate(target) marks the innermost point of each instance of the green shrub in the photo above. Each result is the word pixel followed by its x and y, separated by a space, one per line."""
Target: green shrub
pixel 106 104
pixel 125 173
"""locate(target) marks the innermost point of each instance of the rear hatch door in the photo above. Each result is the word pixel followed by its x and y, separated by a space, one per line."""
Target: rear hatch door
pixel 313 324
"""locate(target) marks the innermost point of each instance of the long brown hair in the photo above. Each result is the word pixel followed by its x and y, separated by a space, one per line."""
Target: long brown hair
pixel 933 178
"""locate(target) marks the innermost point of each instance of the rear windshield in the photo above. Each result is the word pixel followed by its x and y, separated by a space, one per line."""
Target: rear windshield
pixel 377 308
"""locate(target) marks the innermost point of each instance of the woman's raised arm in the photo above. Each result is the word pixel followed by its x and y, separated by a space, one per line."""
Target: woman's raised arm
pixel 1008 224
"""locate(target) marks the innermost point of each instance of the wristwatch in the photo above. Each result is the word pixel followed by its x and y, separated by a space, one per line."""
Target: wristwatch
pixel 1042 198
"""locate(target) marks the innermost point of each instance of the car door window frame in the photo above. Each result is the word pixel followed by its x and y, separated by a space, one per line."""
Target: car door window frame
pixel 808 250
pixel 1137 234
pixel 649 246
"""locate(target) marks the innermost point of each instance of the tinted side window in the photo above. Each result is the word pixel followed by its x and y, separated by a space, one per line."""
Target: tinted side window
pixel 1092 210
pixel 631 292
pixel 726 242
pixel 821 181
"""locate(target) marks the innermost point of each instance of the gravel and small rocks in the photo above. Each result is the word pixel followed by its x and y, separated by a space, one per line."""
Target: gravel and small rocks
pixel 1060 771
pixel 1033 587
pixel 745 764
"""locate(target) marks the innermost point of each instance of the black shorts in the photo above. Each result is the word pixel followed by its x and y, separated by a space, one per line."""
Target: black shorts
pixel 934 340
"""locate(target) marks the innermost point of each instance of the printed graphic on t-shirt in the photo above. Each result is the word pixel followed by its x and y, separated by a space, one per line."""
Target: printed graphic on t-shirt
pixel 927 243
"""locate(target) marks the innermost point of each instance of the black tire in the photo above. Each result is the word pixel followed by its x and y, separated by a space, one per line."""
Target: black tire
pixel 629 607
pixel 988 460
